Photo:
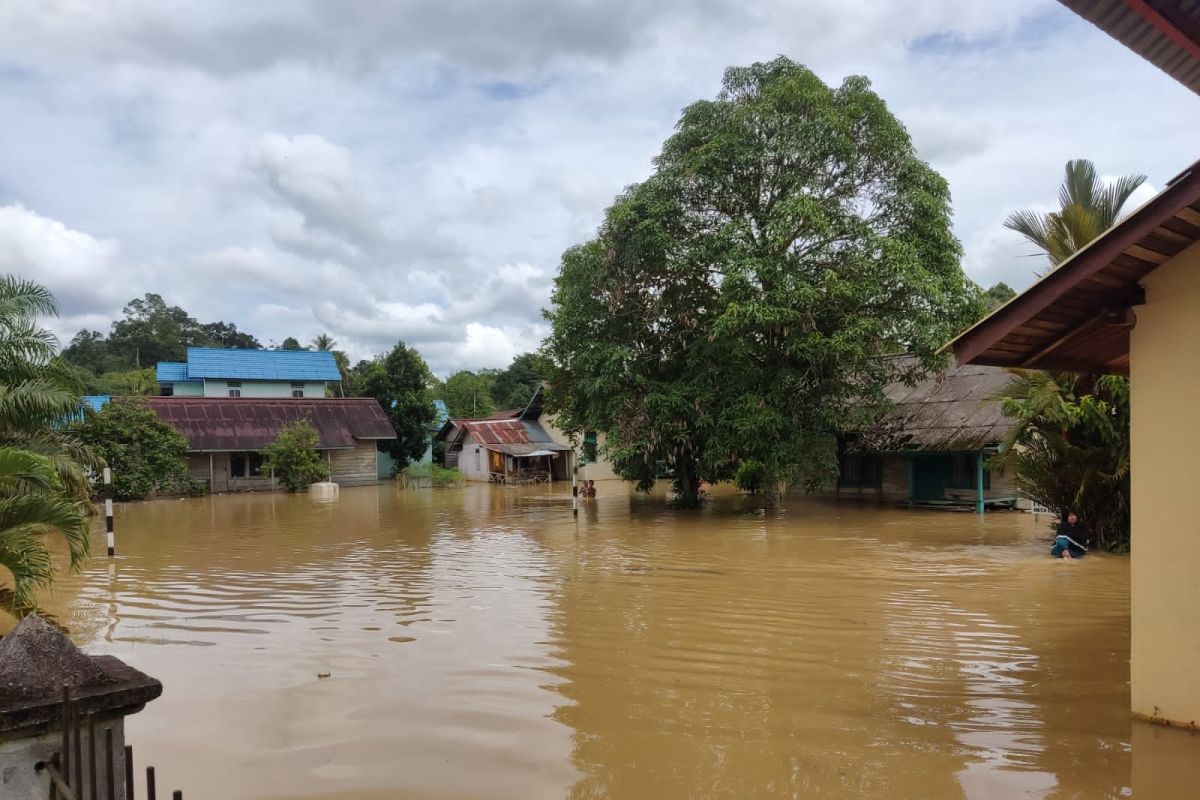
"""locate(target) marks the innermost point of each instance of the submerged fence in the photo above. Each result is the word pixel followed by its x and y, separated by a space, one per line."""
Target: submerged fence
pixel 78 772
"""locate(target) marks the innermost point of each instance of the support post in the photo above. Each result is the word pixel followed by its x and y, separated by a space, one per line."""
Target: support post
pixel 979 482
pixel 912 479
pixel 108 512
pixel 211 477
pixel 574 484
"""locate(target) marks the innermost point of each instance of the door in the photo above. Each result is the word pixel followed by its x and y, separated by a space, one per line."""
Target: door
pixel 931 476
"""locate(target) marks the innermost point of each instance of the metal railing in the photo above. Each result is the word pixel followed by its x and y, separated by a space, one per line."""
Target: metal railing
pixel 73 773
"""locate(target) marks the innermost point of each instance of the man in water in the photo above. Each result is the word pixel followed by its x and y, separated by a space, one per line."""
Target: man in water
pixel 1066 544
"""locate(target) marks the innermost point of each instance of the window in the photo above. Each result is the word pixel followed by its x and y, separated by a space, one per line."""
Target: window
pixel 235 388
pixel 245 465
pixel 589 447
pixel 860 471
pixel 167 390
pixel 964 470
pixel 297 389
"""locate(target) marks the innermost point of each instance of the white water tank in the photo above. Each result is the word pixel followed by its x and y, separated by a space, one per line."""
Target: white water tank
pixel 325 490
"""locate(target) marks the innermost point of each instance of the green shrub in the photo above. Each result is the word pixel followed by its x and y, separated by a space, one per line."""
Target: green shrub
pixel 293 457
pixel 146 455
pixel 439 477
pixel 749 477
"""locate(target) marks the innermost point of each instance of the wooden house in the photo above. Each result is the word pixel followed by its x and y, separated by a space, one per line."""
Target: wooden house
pixel 226 435
pixel 932 447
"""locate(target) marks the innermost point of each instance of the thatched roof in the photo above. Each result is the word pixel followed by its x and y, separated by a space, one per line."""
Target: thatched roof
pixel 947 411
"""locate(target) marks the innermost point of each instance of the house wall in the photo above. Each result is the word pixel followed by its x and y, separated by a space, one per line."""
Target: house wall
pixel 894 486
pixel 220 388
pixel 1164 588
pixel 354 467
pixel 350 467
pixel 473 466
pixel 600 470
pixel 188 389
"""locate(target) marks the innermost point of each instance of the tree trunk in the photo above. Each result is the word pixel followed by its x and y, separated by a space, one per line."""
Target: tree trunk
pixel 687 482
pixel 771 494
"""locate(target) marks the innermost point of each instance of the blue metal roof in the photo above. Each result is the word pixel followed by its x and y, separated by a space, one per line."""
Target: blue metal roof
pixel 171 372
pixel 440 413
pixel 96 401
pixel 262 365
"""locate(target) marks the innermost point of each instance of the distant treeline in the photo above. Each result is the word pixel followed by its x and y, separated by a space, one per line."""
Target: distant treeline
pixel 149 331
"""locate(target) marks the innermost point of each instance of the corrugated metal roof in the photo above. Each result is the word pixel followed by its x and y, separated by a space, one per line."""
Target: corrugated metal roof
pixel 263 365
pixel 221 424
pixel 512 436
pixel 171 371
pixel 948 411
pixel 97 401
pixel 1164 32
pixel 541 448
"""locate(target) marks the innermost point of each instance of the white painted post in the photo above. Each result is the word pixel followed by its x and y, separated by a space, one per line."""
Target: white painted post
pixel 108 512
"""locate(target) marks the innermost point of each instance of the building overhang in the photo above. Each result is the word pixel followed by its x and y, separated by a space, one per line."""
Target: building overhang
pixel 1078 316
pixel 1164 32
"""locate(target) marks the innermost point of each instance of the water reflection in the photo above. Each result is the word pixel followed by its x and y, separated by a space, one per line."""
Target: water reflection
pixel 485 643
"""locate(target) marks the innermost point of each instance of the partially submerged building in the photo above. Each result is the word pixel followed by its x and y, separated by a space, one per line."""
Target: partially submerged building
pixel 226 436
pixel 519 446
pixel 933 445
pixel 1129 303
pixel 232 372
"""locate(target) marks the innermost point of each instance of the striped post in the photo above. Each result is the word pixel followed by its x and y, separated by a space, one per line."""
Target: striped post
pixel 574 484
pixel 108 512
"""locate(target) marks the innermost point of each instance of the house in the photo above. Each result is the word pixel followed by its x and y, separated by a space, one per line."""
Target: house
pixel 932 446
pixel 1129 303
pixel 507 442
pixel 217 372
pixel 226 436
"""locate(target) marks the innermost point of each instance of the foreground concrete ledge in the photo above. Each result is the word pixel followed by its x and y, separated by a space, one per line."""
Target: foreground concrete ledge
pixel 37 661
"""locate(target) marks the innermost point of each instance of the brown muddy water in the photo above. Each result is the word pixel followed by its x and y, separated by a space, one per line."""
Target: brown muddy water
pixel 482 644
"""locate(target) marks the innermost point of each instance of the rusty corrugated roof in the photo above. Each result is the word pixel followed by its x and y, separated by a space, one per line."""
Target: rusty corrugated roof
pixel 214 424
pixel 947 411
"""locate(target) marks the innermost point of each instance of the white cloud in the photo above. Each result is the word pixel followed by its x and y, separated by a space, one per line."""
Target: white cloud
pixel 410 171
pixel 76 266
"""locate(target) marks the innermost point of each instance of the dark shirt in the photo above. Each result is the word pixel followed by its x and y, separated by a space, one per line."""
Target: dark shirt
pixel 1074 531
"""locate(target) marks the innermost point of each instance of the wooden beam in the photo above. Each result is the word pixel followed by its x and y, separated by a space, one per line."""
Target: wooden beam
pixel 1082 265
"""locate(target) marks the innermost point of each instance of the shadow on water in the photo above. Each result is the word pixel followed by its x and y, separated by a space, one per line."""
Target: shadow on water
pixel 485 642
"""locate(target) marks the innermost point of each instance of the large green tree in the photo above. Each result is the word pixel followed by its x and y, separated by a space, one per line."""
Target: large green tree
pixel 741 303
pixel 400 381
pixel 515 384
pixel 468 394
pixel 44 486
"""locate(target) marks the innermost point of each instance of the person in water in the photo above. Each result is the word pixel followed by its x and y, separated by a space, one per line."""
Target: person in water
pixel 1067 539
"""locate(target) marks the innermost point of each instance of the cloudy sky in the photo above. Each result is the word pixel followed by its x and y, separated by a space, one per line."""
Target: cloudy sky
pixel 413 170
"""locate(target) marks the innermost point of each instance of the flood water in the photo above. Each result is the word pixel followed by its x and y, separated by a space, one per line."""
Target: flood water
pixel 482 644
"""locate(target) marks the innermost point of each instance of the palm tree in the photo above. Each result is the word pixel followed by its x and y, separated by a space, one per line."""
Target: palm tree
pixel 44 484
pixel 32 504
pixel 323 341
pixel 1088 207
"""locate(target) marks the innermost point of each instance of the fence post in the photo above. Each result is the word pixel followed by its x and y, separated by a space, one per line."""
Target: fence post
pixel 108 512
pixel 128 772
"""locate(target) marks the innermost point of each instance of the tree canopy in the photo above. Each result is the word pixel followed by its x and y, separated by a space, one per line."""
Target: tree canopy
pixel 743 303
pixel 468 394
pixel 147 455
pixel 400 381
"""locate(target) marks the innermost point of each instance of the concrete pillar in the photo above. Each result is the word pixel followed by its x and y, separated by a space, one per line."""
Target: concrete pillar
pixel 36 662
pixel 1165 559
